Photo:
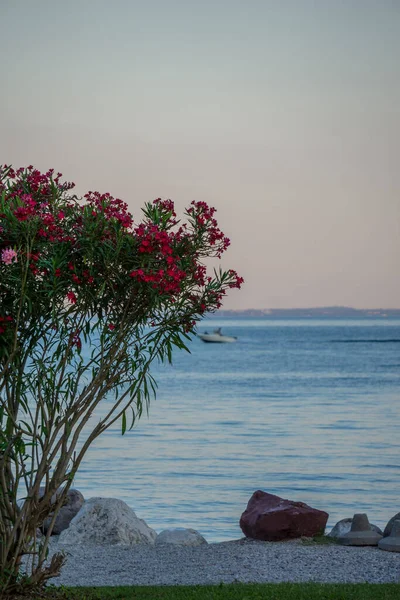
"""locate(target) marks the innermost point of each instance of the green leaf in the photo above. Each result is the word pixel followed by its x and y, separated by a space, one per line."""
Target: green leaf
pixel 123 422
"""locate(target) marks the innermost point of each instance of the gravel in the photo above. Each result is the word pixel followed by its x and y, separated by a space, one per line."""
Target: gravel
pixel 245 560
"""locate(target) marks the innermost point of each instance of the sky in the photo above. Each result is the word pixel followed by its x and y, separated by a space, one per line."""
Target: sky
pixel 283 114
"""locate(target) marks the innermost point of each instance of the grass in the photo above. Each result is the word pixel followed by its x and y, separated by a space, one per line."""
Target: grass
pixel 235 591
pixel 320 540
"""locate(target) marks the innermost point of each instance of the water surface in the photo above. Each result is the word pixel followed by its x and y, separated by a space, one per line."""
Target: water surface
pixel 306 409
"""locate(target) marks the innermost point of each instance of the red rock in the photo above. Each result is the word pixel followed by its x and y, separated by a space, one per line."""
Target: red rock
pixel 271 518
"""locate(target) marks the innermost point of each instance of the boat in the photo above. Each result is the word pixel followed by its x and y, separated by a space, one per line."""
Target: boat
pixel 216 337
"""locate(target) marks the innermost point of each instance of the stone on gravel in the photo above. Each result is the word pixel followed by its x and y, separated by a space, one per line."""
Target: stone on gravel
pixel 107 521
pixel 68 511
pixel 360 533
pixel 388 528
pixel 391 543
pixel 271 518
pixel 180 536
pixel 344 526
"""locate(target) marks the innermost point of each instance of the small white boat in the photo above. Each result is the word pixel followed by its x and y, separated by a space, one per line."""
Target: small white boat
pixel 216 337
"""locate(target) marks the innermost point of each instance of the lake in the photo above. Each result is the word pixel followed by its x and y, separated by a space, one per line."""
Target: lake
pixel 305 409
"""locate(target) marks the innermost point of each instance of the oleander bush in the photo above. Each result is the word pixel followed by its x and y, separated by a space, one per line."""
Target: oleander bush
pixel 89 298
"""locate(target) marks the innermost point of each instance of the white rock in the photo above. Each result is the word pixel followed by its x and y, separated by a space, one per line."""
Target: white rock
pixel 180 536
pixel 107 521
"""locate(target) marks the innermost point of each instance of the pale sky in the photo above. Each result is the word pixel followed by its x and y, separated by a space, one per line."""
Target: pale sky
pixel 283 114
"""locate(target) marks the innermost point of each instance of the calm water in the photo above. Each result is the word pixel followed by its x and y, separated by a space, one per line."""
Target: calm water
pixel 306 409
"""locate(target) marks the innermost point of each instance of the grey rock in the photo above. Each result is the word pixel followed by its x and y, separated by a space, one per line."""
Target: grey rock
pixel 180 536
pixel 388 528
pixel 344 526
pixel 73 503
pixel 107 521
pixel 360 533
pixel 68 511
pixel 391 543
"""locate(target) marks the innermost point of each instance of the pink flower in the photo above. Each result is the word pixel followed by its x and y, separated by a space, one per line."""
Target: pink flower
pixel 8 256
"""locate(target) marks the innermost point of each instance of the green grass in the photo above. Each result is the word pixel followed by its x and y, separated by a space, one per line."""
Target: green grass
pixel 237 591
pixel 320 540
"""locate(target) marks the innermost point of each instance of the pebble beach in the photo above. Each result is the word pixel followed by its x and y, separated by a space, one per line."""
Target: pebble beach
pixel 244 561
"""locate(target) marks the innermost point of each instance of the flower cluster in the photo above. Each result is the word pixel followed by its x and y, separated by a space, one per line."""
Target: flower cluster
pixel 88 255
pixel 112 208
pixel 40 184
pixel 203 217
pixel 8 256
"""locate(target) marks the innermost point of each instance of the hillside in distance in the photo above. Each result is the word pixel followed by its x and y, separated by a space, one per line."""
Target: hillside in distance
pixel 322 312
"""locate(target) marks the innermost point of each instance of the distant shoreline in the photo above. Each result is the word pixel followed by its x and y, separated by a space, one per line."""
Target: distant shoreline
pixel 333 312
